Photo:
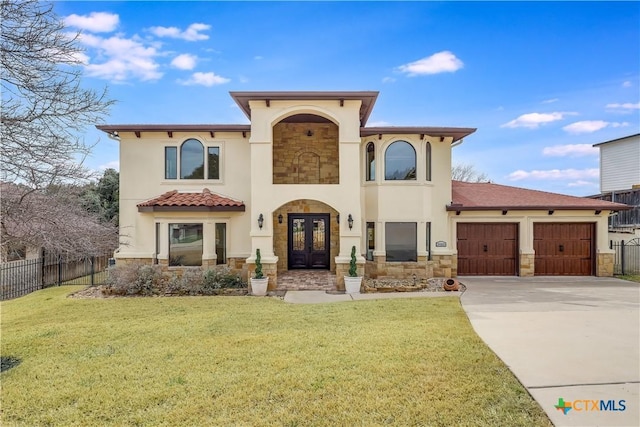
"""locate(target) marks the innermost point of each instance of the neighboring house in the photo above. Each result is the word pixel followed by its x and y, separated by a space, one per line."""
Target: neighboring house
pixel 620 182
pixel 306 180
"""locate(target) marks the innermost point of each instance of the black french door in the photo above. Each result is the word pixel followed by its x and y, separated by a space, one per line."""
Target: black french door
pixel 308 241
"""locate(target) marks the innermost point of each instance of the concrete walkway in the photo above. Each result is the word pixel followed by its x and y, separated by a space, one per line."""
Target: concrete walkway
pixel 572 338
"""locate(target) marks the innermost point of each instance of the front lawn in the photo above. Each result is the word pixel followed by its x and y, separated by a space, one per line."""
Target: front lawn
pixel 250 361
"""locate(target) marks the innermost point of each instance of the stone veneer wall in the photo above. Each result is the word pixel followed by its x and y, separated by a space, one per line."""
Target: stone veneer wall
pixel 280 232
pixel 604 265
pixel 527 265
pixel 439 266
pixel 302 159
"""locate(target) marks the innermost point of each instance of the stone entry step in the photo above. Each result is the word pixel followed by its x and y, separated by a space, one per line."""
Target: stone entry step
pixel 306 280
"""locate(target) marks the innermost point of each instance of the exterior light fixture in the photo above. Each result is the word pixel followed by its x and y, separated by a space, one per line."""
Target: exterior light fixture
pixel 260 221
pixel 350 221
pixel 280 219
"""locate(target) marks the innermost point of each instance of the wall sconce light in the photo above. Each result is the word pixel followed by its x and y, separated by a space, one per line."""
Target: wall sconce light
pixel 309 132
pixel 338 218
pixel 350 221
pixel 280 219
pixel 260 221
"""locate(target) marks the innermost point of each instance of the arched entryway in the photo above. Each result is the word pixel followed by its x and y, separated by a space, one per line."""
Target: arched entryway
pixel 306 235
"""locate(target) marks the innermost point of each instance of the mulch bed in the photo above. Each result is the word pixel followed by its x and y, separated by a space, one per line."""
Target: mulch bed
pixel 435 284
pixel 100 291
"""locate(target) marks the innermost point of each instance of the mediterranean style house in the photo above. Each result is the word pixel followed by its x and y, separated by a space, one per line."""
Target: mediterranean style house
pixel 307 180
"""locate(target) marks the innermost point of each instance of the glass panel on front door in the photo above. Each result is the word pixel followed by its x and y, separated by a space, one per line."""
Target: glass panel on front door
pixel 308 241
pixel 298 234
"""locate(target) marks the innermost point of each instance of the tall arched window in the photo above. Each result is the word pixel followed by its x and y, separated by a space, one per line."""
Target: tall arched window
pixel 371 162
pixel 400 162
pixel 427 153
pixel 192 160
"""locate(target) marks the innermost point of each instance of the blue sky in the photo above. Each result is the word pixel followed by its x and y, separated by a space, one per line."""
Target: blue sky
pixel 542 81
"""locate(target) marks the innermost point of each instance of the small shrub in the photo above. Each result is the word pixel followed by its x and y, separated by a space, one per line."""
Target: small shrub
pixel 222 278
pixel 134 279
pixel 147 280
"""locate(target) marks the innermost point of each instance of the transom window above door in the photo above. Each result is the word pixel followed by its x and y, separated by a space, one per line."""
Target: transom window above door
pixel 192 160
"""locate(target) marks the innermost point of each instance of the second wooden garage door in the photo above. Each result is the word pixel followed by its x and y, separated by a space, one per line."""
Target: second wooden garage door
pixel 487 249
pixel 564 249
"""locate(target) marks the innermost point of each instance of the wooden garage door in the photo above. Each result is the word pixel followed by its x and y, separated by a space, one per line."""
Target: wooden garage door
pixel 564 249
pixel 487 249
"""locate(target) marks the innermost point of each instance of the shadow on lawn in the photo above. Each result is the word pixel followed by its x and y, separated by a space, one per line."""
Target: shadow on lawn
pixel 8 362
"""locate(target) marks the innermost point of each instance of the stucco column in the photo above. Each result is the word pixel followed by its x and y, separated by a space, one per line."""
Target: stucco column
pixel 208 241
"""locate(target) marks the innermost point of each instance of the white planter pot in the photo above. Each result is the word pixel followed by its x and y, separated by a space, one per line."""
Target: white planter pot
pixel 259 286
pixel 352 284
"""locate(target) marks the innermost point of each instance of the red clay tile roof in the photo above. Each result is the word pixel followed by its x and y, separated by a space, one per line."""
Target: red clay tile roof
pixel 181 201
pixel 488 196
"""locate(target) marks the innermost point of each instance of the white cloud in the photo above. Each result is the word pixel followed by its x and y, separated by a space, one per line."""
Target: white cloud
pixel 534 120
pixel 192 33
pixel 550 101
pixel 204 79
pixel 566 174
pixel 627 84
pixel 571 150
pixel 186 61
pixel 441 62
pixel 388 80
pixel 122 59
pixel 590 126
pixel 581 183
pixel 625 106
pixel 96 22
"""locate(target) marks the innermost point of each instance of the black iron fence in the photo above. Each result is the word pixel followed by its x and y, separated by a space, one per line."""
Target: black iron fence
pixel 627 258
pixel 18 278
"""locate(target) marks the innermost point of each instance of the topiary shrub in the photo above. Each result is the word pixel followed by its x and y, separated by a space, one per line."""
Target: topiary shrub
pixel 258 271
pixel 353 268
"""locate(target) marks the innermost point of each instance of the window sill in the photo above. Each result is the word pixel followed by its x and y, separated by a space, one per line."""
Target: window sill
pixel 192 182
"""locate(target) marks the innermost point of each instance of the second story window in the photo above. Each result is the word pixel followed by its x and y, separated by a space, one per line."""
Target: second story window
pixel 192 160
pixel 189 161
pixel 371 162
pixel 400 162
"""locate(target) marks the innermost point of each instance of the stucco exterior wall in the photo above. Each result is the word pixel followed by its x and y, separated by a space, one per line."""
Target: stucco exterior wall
pixel 142 178
pixel 419 200
pixel 266 196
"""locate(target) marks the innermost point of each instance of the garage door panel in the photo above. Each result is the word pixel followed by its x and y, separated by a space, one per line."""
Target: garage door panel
pixel 487 249
pixel 564 249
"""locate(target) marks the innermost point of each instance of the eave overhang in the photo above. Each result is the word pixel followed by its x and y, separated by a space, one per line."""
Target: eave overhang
pixel 368 99
pixel 444 132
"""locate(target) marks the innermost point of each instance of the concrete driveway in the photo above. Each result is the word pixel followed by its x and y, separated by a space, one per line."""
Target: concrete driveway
pixel 576 339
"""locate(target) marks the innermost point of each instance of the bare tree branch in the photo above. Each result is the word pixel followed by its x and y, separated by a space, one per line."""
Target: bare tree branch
pixel 466 172
pixel 44 107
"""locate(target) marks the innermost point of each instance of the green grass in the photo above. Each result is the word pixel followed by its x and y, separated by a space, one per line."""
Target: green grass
pixel 251 361
pixel 630 277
